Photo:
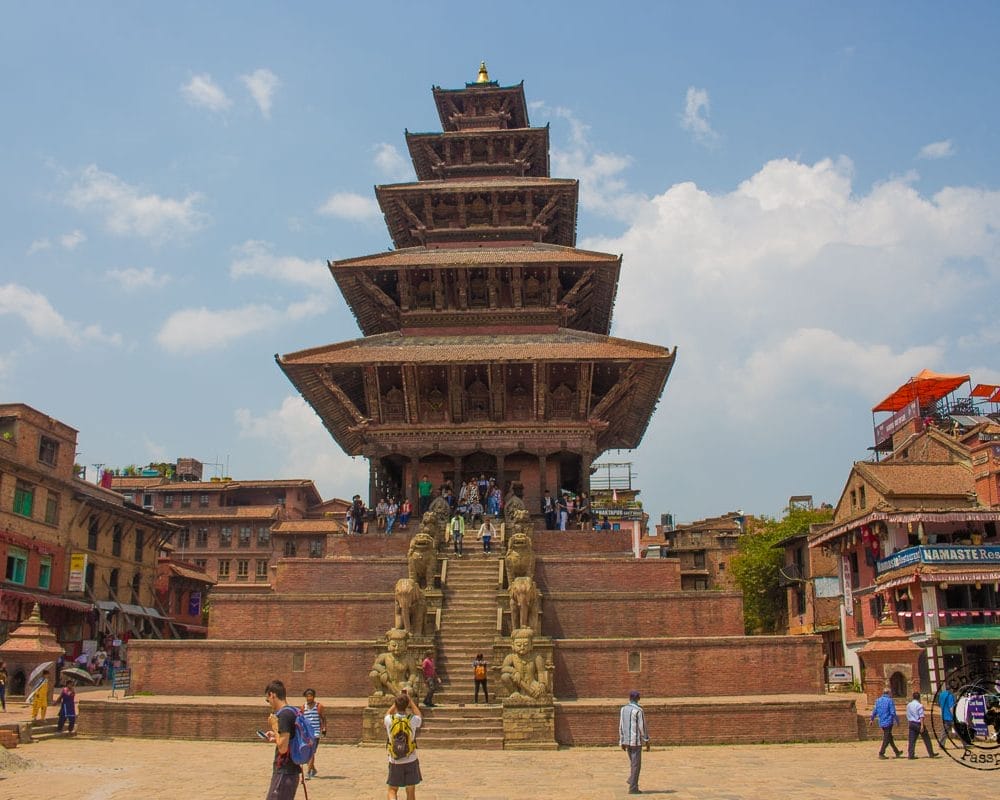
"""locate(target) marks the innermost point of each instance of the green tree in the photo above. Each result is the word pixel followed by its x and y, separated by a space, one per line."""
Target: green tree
pixel 755 567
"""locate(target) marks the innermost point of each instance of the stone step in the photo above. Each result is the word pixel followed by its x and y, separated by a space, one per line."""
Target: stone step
pixel 460 742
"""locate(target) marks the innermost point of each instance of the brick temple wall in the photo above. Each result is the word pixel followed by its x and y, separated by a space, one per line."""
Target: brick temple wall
pixel 685 667
pixel 335 575
pixel 304 617
pixel 566 573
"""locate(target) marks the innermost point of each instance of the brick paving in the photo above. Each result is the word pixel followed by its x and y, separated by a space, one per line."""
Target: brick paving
pixel 125 769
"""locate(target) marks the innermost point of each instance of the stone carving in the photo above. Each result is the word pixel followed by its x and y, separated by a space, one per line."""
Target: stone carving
pixel 524 673
pixel 513 503
pixel 442 513
pixel 421 558
pixel 410 607
pixel 395 669
pixel 525 600
pixel 520 558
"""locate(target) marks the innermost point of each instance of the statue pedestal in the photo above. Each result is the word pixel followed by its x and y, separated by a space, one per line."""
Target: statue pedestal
pixel 529 727
pixel 372 725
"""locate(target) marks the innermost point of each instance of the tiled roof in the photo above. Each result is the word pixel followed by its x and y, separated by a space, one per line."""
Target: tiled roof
pixel 918 480
pixel 394 348
pixel 237 512
pixel 190 573
pixel 123 484
pixel 531 253
pixel 330 525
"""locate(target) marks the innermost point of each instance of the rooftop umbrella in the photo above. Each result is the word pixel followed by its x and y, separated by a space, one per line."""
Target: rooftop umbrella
pixel 76 672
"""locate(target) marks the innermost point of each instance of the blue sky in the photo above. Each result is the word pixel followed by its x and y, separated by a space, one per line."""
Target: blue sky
pixel 806 196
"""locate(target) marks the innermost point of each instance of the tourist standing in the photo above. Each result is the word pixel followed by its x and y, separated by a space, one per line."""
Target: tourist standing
pixel 67 706
pixel 457 528
pixel 480 671
pixel 43 694
pixel 549 510
pixel 947 702
pixel 563 508
pixel 430 678
pixel 493 500
pixel 285 773
pixel 915 721
pixel 486 534
pixel 885 711
pixel 313 712
pixel 3 686
pixel 405 509
pixel 381 510
pixel 424 494
pixel 583 510
pixel 633 736
pixel 402 721
pixel 391 511
pixel 358 513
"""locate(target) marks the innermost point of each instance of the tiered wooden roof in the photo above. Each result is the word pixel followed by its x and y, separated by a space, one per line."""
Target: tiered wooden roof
pixel 478 106
pixel 522 152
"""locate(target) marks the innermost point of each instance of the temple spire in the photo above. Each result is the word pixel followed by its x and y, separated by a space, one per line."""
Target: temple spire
pixel 484 75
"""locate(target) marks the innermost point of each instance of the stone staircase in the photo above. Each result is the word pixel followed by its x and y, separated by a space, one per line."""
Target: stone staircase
pixel 468 626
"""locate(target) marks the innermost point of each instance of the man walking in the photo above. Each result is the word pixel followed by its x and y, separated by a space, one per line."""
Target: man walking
pixel 915 721
pixel 457 527
pixel 430 678
pixel 286 773
pixel 947 702
pixel 313 711
pixel 885 711
pixel 633 736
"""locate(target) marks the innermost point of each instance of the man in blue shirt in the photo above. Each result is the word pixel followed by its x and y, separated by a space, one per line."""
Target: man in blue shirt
pixel 915 721
pixel 947 702
pixel 885 711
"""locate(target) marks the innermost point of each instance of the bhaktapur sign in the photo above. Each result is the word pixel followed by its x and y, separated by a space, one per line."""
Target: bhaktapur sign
pixel 940 554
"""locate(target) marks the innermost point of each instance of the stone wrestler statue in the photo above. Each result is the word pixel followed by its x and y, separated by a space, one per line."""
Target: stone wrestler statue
pixel 396 668
pixel 524 673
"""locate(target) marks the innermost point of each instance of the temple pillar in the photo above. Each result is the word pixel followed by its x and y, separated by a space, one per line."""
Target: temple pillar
pixel 373 465
pixel 414 490
pixel 542 480
pixel 500 483
pixel 456 482
pixel 586 459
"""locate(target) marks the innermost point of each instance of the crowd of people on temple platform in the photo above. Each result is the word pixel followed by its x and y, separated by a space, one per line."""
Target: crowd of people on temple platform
pixel 477 500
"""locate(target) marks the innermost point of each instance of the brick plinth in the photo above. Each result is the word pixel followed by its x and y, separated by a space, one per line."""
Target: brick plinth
pixel 738 665
pixel 334 617
pixel 336 575
pixel 370 545
pixel 529 727
pixel 581 542
pixel 566 573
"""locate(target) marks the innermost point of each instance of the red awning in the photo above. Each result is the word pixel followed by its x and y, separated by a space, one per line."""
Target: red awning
pixel 927 387
pixel 46 600
pixel 985 389
pixel 996 397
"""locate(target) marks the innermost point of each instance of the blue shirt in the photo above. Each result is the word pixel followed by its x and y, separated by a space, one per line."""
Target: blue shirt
pixel 947 702
pixel 915 711
pixel 885 710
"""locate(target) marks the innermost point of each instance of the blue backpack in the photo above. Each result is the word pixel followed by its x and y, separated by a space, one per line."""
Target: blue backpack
pixel 304 739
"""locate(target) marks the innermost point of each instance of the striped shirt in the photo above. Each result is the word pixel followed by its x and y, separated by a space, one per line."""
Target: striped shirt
pixel 311 713
pixel 632 726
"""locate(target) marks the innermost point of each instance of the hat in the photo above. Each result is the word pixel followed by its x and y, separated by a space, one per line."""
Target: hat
pixel 633 695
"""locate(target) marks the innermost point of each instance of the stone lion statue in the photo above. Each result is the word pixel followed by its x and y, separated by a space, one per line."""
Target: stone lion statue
pixel 525 600
pixel 441 510
pixel 410 607
pixel 520 558
pixel 513 503
pixel 421 559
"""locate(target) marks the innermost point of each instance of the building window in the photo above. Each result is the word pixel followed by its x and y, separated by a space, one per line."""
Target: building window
pixel 17 565
pixel 223 568
pixel 245 533
pixel 861 496
pixel 48 450
pixel 128 497
pixel 701 584
pixel 855 576
pixel 116 540
pixel 139 537
pixel 52 508
pixel 201 537
pixel 168 501
pixel 225 536
pixel 722 566
pixel 200 563
pixel 261 569
pixel 45 572
pixel 113 581
pixel 263 536
pixel 93 526
pixel 24 498
pixel 203 500
pixel 242 569
pixel 290 548
pixel 136 583
pixel 800 601
pixel 699 559
pixel 185 501
pixel 184 538
pixel 635 661
pixel 315 548
pixel 854 499
pixel 147 500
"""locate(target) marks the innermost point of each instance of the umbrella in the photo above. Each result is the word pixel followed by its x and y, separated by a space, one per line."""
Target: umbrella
pixel 36 673
pixel 76 672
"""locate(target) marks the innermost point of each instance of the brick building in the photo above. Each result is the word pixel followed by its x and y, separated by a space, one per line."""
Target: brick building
pixel 705 549
pixel 226 527
pixel 915 535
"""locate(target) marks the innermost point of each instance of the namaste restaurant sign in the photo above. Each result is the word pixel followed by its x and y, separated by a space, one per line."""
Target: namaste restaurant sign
pixel 941 554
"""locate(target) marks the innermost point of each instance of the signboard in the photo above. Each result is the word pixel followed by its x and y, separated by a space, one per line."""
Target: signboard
pixel 194 604
pixel 888 427
pixel 941 554
pixel 77 572
pixel 840 674
pixel 826 587
pixel 121 680
pixel 845 571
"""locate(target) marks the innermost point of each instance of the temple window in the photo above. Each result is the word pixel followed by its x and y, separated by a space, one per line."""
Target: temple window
pixel 394 405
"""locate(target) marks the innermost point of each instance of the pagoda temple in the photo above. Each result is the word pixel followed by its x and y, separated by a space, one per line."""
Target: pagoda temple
pixel 486 344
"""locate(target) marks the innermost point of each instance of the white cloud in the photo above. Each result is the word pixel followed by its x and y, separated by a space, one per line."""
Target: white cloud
pixel 201 91
pixel 262 84
pixel 255 258
pixel 695 115
pixel 72 240
pixel 390 163
pixel 127 211
pixel 38 246
pixel 935 150
pixel 350 206
pixel 196 330
pixel 304 448
pixel 42 319
pixel 132 278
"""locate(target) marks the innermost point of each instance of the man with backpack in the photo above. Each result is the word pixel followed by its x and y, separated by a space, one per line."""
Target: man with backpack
pixel 286 774
pixel 401 723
